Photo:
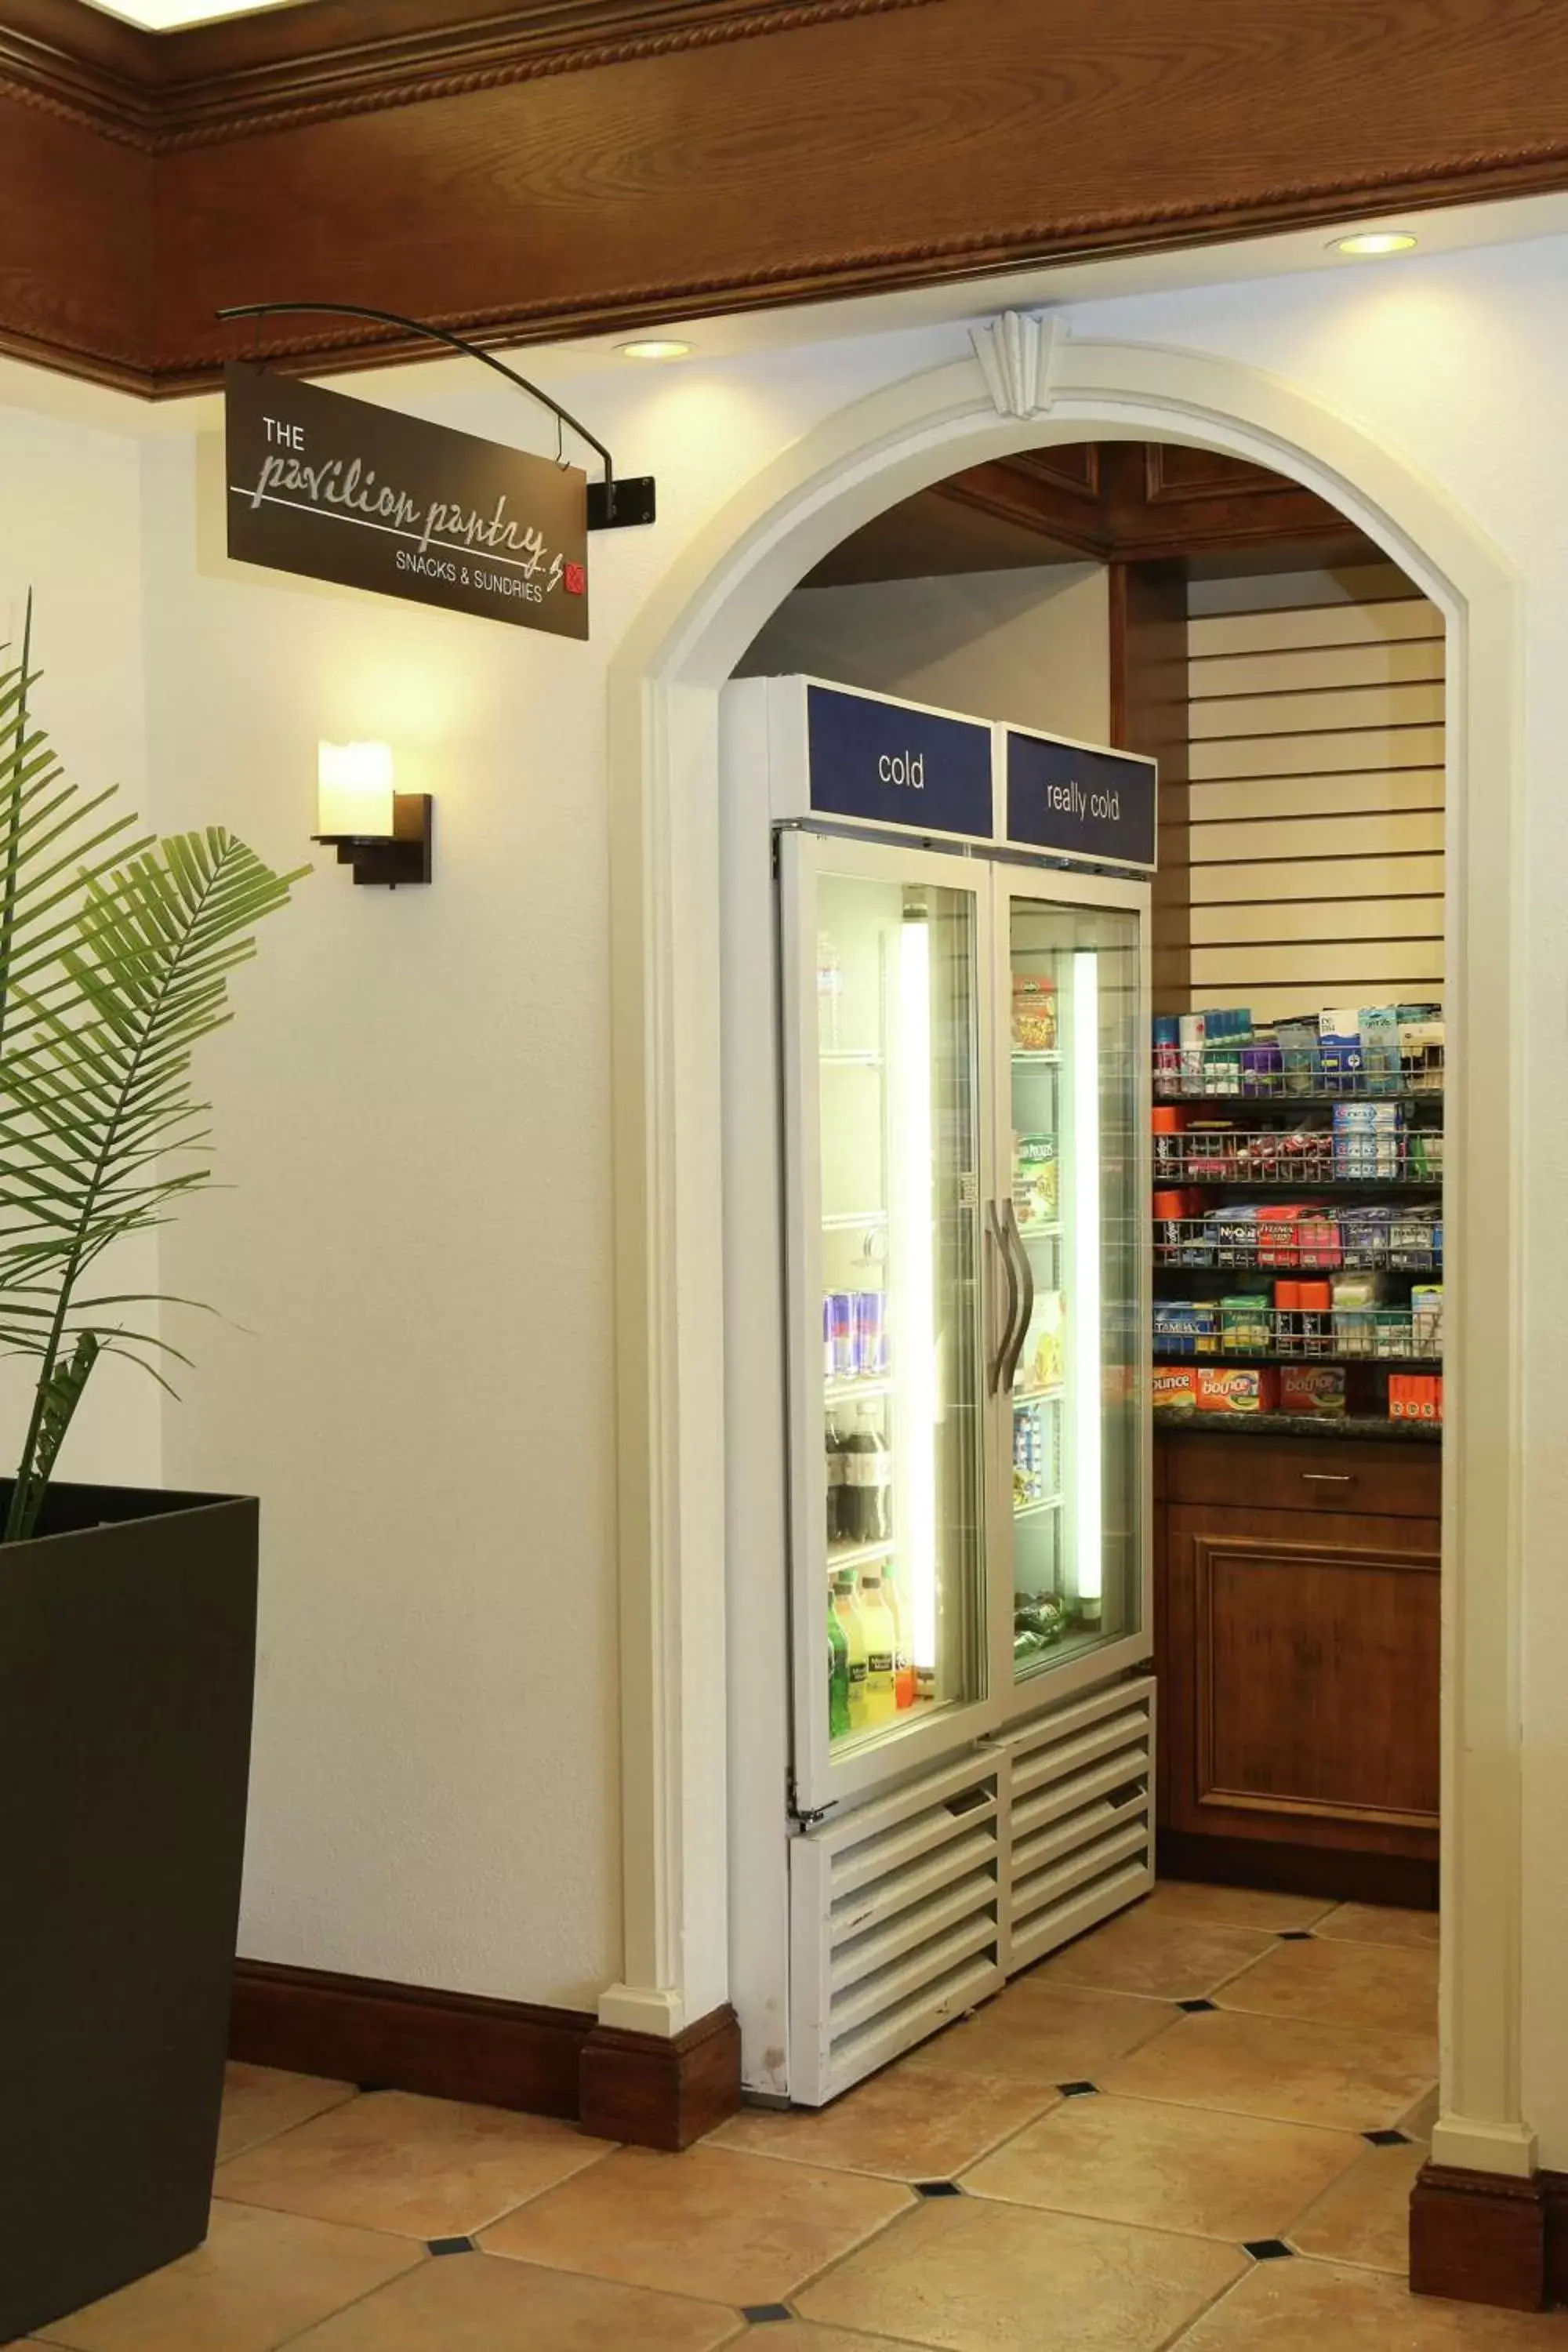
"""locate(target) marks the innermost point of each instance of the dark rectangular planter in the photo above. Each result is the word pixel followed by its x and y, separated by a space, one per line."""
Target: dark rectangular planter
pixel 127 1661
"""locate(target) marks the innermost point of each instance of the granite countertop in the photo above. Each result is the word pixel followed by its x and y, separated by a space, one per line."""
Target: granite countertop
pixel 1348 1427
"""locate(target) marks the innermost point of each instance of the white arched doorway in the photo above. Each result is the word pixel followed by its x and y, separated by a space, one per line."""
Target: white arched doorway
pixel 664 687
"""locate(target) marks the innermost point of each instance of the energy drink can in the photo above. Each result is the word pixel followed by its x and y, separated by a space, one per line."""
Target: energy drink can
pixel 871 1333
pixel 838 1335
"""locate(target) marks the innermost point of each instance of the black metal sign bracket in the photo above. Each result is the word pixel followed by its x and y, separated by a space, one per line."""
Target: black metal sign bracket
pixel 612 504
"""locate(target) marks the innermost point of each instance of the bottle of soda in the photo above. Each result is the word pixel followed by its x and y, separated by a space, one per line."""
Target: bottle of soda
pixel 850 1618
pixel 882 1644
pixel 868 1477
pixel 903 1663
pixel 837 1514
pixel 838 1673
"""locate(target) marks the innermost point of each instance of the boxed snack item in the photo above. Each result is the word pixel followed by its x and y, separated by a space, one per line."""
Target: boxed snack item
pixel 1036 1196
pixel 1175 1387
pixel 1312 1388
pixel 1047 1337
pixel 1245 1323
pixel 1034 1013
pixel 1415 1396
pixel 1237 1387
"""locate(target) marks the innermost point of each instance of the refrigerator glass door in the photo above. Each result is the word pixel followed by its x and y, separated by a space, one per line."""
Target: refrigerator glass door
pixel 884 954
pixel 1072 1416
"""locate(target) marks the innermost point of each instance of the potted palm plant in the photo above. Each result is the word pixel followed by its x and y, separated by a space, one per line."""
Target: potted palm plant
pixel 127 1616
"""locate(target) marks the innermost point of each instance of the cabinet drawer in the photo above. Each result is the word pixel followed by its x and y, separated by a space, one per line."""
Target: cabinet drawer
pixel 1304 1474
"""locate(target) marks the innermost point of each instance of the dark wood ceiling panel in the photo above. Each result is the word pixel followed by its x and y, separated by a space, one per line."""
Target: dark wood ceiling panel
pixel 571 165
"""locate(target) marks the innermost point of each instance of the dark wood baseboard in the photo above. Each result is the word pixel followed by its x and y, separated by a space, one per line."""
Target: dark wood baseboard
pixel 658 2094
pixel 500 2054
pixel 1554 2192
pixel 398 2037
pixel 1480 2237
pixel 1328 1871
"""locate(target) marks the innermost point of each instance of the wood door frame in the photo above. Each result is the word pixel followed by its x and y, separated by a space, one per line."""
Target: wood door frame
pixel 664 685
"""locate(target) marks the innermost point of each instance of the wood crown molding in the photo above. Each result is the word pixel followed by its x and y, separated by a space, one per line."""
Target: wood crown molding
pixel 565 167
pixel 634 2087
pixel 334 57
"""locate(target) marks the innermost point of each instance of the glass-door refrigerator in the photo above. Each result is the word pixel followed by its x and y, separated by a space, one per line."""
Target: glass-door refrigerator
pixel 962 1138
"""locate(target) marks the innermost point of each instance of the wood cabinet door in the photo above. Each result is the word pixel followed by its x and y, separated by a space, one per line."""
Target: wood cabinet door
pixel 1302 1678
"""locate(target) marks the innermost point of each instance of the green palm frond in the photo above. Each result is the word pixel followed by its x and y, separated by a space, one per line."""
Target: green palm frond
pixel 115 956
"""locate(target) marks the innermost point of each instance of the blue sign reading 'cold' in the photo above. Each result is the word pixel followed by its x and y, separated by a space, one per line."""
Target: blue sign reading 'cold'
pixel 884 761
pixel 1081 803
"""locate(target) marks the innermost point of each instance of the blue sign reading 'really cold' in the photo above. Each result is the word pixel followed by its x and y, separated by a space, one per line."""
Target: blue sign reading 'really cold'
pixel 1098 805
pixel 898 766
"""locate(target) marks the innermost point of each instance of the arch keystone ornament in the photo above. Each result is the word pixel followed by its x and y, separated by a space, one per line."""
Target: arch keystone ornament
pixel 1016 353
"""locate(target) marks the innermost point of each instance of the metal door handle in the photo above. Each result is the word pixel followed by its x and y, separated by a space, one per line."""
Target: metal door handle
pixel 999 1243
pixel 1329 1477
pixel 1022 1254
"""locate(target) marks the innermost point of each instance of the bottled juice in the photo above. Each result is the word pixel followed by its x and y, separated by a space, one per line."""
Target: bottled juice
pixel 903 1664
pixel 848 1615
pixel 838 1673
pixel 881 1649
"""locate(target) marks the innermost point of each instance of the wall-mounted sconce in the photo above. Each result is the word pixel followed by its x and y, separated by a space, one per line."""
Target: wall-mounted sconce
pixel 383 834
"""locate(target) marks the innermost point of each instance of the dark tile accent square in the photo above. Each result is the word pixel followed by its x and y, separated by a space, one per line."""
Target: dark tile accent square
pixel 1295 1936
pixel 1268 2249
pixel 758 2313
pixel 1079 2090
pixel 1194 2008
pixel 938 2188
pixel 449 2246
pixel 1388 2139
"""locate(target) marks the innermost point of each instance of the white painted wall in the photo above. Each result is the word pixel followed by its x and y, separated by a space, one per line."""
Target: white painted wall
pixel 412 1109
pixel 71 522
pixel 1032 646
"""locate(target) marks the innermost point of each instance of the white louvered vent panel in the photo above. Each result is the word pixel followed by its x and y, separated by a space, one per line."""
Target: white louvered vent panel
pixel 896 1923
pixel 1079 1827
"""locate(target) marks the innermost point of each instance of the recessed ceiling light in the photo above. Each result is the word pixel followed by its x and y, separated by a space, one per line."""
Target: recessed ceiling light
pixel 656 350
pixel 1370 242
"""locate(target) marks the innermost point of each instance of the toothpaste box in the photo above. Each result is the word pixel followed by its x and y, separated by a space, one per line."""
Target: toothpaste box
pixel 1175 1387
pixel 1251 1388
pixel 1312 1388
pixel 1340 1046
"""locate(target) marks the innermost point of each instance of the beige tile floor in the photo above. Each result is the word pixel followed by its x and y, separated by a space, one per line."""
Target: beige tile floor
pixel 1208 2182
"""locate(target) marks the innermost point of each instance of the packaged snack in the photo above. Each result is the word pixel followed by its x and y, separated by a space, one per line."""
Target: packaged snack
pixel 1034 1013
pixel 1036 1196
pixel 1048 1340
pixel 1415 1396
pixel 1245 1323
pixel 1237 1387
pixel 1312 1388
pixel 1175 1387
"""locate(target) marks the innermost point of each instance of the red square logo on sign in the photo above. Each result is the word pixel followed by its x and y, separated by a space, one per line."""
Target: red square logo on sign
pixel 574 580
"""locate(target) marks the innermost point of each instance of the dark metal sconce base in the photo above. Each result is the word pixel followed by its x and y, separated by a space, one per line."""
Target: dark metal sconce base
pixel 614 506
pixel 406 857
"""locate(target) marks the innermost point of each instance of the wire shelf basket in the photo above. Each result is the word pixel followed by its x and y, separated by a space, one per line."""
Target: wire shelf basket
pixel 1299 1157
pixel 1315 1244
pixel 1210 1333
pixel 1269 1072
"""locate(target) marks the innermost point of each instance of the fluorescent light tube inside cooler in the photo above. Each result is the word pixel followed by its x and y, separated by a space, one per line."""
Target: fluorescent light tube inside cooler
pixel 1084 1307
pixel 913 1283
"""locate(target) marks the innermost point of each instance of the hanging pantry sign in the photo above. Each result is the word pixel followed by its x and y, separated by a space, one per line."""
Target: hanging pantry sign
pixel 334 489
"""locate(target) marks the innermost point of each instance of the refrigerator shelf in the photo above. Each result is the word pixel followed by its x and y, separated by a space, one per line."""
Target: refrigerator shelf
pixel 1022 1397
pixel 1048 1056
pixel 842 1222
pixel 851 1057
pixel 843 1556
pixel 1046 1232
pixel 854 1391
pixel 1034 1510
